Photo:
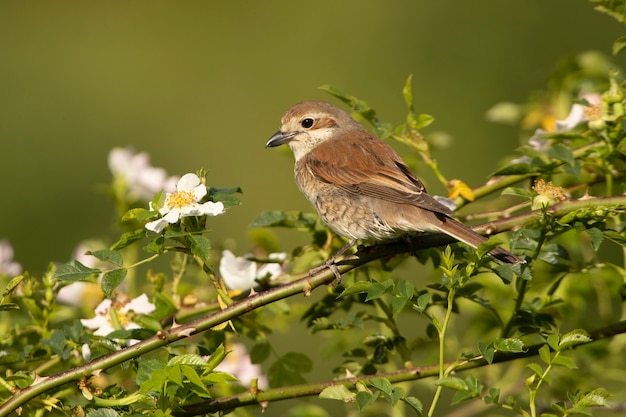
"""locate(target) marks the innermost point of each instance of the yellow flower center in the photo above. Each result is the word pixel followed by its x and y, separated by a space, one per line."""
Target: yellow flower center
pixel 180 199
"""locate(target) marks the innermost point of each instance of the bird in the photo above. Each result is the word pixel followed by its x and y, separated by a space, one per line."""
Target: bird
pixel 359 185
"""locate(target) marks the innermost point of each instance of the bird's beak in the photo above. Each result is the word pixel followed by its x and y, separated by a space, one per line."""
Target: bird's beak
pixel 279 138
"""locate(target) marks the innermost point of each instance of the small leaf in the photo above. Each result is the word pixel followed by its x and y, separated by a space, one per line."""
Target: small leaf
pixel 201 247
pixel 453 383
pixel 74 271
pixel 337 392
pixel 111 280
pixel 260 352
pixel 564 361
pixel 378 289
pixel 12 285
pixel 596 237
pixel 188 359
pixel 573 338
pixel 544 354
pixel 356 288
pixel 381 384
pixel 108 255
pixel 509 345
pixel 364 399
pixel 536 368
pixel 415 404
pixel 129 238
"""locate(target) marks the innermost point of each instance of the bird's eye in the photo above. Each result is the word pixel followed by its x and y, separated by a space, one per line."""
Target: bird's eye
pixel 307 123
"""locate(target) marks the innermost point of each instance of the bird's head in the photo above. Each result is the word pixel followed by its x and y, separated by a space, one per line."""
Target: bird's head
pixel 309 123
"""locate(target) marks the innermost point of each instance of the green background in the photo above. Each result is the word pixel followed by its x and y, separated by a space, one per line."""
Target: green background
pixel 204 84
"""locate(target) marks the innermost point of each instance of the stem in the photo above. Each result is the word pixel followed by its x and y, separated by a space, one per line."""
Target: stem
pixel 443 372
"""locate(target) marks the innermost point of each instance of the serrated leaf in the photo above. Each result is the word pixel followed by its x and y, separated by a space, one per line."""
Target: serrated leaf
pixel 201 247
pixel 356 288
pixel 573 338
pixel 452 383
pixel 596 237
pixel 382 384
pixel 364 399
pixel 564 361
pixel 544 354
pixel 187 359
pixel 415 404
pixel 74 271
pixel 129 238
pixel 12 285
pixel 562 153
pixel 337 392
pixel 107 255
pixel 536 368
pixel 509 345
pixel 111 280
pixel 197 384
pixel 102 412
pixel 377 289
pixel 423 301
pixel 137 334
pixel 596 398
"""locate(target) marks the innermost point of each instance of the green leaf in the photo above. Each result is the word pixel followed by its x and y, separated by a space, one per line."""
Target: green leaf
pixel 563 153
pixel 102 412
pixel 378 289
pixel 197 384
pixel 382 384
pixel 137 334
pixel 596 398
pixel 423 302
pixel 337 392
pixel 536 368
pixel 201 247
pixel 509 345
pixel 453 383
pixel 487 350
pixel 128 239
pixel 216 357
pixel 364 399
pixel 407 92
pixel 573 338
pixel 111 280
pixel 297 362
pixel 356 288
pixel 187 359
pixel 146 368
pixel 415 404
pixel 544 354
pixel 139 214
pixel 12 285
pixel 260 352
pixel 108 255
pixel 74 271
pixel 564 361
pixel 596 237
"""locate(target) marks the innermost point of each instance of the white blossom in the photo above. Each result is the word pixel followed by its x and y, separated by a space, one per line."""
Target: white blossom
pixel 184 202
pixel 7 265
pixel 238 364
pixel 141 179
pixel 240 273
pixel 124 311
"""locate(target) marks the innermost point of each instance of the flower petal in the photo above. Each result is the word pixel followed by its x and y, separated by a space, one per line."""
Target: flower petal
pixel 140 305
pixel 188 182
pixel 238 273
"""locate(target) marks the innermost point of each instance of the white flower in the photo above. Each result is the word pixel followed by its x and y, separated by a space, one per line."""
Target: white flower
pixel 7 266
pixel 184 202
pixel 238 364
pixel 124 310
pixel 141 179
pixel 579 113
pixel 240 273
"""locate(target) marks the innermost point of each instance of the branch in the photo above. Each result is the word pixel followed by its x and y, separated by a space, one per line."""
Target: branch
pixel 303 284
pixel 402 375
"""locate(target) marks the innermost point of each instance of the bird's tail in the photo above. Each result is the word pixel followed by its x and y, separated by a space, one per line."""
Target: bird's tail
pixel 466 235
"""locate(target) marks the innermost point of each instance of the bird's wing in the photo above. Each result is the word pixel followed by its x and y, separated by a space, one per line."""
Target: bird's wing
pixel 363 164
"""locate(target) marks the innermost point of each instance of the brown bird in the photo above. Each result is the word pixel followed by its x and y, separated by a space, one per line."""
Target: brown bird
pixel 359 185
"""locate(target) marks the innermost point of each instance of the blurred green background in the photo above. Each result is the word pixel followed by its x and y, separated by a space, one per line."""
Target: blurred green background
pixel 204 84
